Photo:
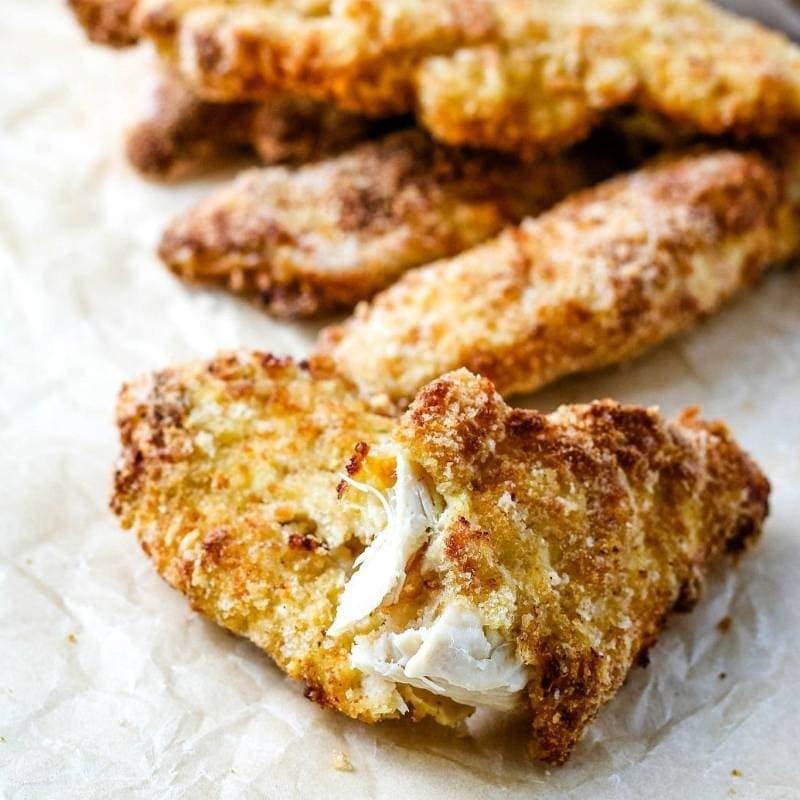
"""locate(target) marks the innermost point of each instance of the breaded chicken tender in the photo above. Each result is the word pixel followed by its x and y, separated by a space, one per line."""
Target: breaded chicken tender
pixel 595 281
pixel 184 135
pixel 332 233
pixel 359 53
pixel 229 476
pixel 509 74
pixel 687 61
pixel 109 22
pixel 466 554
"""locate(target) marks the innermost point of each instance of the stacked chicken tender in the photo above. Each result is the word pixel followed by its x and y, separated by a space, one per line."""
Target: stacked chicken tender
pixel 331 90
pixel 508 189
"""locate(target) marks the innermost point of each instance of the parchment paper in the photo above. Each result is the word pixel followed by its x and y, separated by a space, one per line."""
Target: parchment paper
pixel 110 687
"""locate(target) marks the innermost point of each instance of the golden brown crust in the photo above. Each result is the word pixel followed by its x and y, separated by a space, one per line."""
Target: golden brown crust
pixel 596 280
pixel 335 232
pixel 687 61
pixel 508 75
pixel 574 533
pixel 359 53
pixel 108 22
pixel 601 519
pixel 296 130
pixel 534 96
pixel 228 476
pixel 185 136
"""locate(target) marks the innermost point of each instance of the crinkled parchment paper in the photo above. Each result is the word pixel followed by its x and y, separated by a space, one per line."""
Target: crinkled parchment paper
pixel 110 687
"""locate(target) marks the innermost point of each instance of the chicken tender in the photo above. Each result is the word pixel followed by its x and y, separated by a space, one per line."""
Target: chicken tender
pixel 185 135
pixel 685 60
pixel 358 53
pixel 335 232
pixel 464 554
pixel 229 476
pixel 597 280
pixel 508 75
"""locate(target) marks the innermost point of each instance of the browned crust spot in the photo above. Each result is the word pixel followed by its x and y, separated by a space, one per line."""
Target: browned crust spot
pixel 107 22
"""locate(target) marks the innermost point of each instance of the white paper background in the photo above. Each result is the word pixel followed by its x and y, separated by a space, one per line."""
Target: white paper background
pixel 150 700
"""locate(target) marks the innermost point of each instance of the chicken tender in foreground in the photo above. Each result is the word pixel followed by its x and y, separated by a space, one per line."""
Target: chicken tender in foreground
pixel 596 280
pixel 335 232
pixel 508 75
pixel 109 22
pixel 465 554
pixel 184 135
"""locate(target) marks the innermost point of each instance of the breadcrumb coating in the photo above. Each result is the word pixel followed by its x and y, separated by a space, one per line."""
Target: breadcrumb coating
pixel 687 61
pixel 597 280
pixel 332 233
pixel 228 476
pixel 508 75
pixel 184 135
pixel 600 519
pixel 358 53
pixel 571 535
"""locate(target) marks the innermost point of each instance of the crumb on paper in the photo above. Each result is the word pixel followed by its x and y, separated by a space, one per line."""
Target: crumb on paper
pixel 736 773
pixel 72 638
pixel 724 625
pixel 342 762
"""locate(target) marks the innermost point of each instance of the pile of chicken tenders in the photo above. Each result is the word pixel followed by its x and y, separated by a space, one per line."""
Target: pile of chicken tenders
pixel 500 193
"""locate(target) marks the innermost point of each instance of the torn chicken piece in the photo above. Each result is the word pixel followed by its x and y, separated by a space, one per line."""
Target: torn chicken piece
pixel 453 657
pixel 466 554
pixel 185 135
pixel 108 22
pixel 508 75
pixel 379 571
pixel 332 233
pixel 229 477
pixel 595 281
